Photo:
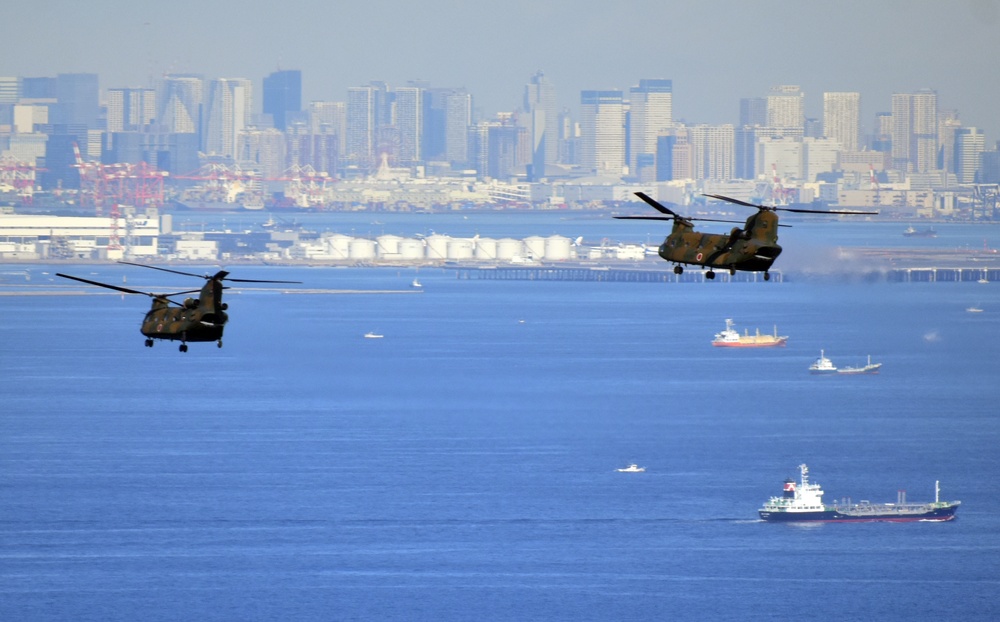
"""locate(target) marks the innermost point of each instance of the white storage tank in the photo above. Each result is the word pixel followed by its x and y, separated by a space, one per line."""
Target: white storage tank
pixel 460 248
pixel 558 248
pixel 437 247
pixel 411 249
pixel 509 248
pixel 387 246
pixel 362 249
pixel 534 247
pixel 339 246
pixel 486 249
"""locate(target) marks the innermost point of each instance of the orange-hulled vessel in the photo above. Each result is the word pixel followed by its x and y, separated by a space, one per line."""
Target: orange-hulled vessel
pixel 729 338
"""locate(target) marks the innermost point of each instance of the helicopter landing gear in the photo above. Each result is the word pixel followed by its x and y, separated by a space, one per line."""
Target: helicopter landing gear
pixel 184 347
pixel 220 343
pixel 678 269
pixel 732 271
pixel 710 275
pixel 149 343
pixel 767 276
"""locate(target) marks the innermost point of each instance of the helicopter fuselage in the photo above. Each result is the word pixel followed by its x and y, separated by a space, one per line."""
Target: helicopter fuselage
pixel 752 248
pixel 197 319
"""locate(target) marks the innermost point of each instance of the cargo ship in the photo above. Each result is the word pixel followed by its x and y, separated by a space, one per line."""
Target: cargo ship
pixel 804 503
pixel 730 338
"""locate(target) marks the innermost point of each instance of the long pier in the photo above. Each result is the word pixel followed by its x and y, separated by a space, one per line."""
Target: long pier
pixel 603 274
pixel 646 275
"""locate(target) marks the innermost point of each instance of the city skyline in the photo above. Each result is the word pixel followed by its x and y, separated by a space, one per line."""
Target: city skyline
pixel 715 55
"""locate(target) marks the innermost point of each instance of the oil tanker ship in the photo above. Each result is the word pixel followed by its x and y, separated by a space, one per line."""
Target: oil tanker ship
pixel 729 338
pixel 804 503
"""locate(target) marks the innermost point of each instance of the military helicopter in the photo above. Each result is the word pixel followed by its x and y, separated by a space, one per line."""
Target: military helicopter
pixel 752 248
pixel 196 319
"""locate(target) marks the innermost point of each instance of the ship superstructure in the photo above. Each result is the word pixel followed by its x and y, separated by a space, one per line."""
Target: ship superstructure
pixel 804 502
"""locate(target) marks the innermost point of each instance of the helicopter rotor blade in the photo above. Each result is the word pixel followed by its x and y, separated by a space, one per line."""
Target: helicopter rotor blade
pixel 786 209
pixel 736 201
pixel 819 211
pixel 656 205
pixel 682 218
pixel 219 275
pixel 126 290
pixel 142 265
pixel 257 281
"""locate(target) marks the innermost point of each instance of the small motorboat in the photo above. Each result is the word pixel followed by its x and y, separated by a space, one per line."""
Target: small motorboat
pixel 632 468
pixel 374 335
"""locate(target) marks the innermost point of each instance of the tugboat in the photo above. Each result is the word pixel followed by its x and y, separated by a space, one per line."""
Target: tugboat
pixel 729 338
pixel 804 503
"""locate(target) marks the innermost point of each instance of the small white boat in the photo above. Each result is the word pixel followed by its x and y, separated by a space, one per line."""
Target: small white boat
pixel 416 284
pixel 373 335
pixel 822 365
pixel 974 309
pixel 632 468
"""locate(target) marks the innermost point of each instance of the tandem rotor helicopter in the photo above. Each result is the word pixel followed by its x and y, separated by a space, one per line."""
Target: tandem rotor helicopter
pixel 196 319
pixel 752 248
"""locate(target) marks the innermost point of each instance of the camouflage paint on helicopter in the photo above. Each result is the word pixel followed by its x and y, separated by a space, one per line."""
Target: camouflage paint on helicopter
pixel 196 319
pixel 752 248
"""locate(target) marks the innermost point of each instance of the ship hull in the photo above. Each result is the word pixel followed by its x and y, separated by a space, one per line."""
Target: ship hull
pixel 768 344
pixel 834 516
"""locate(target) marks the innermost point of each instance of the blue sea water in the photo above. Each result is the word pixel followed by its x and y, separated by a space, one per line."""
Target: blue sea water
pixel 464 466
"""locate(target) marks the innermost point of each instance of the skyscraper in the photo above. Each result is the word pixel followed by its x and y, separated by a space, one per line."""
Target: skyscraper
pixel 842 119
pixel 228 108
pixel 79 103
pixel 914 131
pixel 410 123
pixel 282 95
pixel 602 132
pixel 359 143
pixel 179 100
pixel 652 114
pixel 712 147
pixel 786 107
pixel 543 118
pixel 458 117
pixel 753 111
pixel 130 110
pixel 970 143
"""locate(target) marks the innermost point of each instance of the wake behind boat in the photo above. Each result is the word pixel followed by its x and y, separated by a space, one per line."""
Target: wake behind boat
pixel 730 338
pixel 804 503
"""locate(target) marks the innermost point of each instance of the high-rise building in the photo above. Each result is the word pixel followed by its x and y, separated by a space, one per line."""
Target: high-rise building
pixel 359 143
pixel 38 88
pixel 914 131
pixel 744 152
pixel 652 114
pixel 179 101
pixel 10 90
pixel 78 99
pixel 282 95
pixel 786 107
pixel 130 110
pixel 458 117
pixel 227 113
pixel 410 124
pixel 753 111
pixel 712 150
pixel 842 119
pixel 602 132
pixel 970 143
pixel 543 117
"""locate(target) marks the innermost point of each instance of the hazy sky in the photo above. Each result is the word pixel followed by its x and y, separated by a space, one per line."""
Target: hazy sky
pixel 715 52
